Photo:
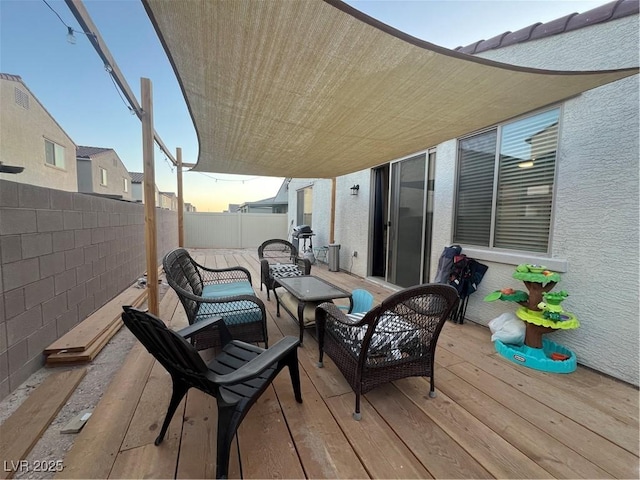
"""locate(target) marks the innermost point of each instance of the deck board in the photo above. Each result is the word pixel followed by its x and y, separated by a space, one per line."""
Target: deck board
pixel 381 451
pixel 198 437
pixel 555 457
pixel 323 449
pixel 438 451
pixel 267 449
pixel 147 419
pixel 98 444
pixel 491 418
pixel 607 455
pixel 20 432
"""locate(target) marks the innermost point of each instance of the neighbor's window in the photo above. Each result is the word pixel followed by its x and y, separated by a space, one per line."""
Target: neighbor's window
pixel 505 185
pixel 125 184
pixel 103 176
pixel 53 153
pixel 305 204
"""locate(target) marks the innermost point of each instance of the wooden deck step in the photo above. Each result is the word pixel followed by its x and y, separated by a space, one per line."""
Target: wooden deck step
pixel 20 432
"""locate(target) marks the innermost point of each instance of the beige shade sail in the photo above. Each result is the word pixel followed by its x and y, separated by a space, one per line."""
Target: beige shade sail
pixel 312 88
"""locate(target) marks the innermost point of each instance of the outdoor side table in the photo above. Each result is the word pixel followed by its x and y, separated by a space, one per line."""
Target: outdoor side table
pixel 306 290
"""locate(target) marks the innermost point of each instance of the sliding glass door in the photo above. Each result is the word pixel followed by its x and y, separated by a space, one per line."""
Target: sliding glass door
pixel 407 221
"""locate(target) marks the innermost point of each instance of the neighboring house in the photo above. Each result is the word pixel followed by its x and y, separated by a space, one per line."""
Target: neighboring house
pixel 277 204
pixel 557 187
pixel 168 201
pixel 137 188
pixel 101 172
pixel 189 208
pixel 31 138
pixel 233 208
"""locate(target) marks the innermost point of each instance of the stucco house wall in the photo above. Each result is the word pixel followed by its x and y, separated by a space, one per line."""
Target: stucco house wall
pixel 595 212
pixel 137 188
pixel 90 179
pixel 594 237
pixel 321 212
pixel 24 126
pixel 352 216
pixel 168 201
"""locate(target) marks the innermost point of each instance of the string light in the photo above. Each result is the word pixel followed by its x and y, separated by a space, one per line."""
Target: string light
pixel 70 38
pixel 70 30
pixel 108 68
pixel 217 179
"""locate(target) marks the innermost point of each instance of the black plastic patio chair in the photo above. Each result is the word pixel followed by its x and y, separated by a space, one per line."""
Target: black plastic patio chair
pixel 236 377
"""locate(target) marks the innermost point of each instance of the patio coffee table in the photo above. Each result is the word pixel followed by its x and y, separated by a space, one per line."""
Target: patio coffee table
pixel 305 290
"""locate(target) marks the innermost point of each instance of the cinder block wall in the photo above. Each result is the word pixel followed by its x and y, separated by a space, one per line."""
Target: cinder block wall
pixel 62 256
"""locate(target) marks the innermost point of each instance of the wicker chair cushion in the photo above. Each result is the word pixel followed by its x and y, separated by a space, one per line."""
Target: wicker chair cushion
pixel 291 303
pixel 220 290
pixel 233 313
pixel 394 338
pixel 283 270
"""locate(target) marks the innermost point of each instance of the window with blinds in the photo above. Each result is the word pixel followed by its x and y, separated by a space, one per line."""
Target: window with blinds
pixel 476 157
pixel 504 195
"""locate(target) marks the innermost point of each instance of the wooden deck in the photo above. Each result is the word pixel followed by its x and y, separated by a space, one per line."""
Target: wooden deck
pixel 491 418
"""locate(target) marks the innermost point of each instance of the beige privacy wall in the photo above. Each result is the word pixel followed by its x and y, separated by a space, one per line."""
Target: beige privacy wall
pixel 62 256
pixel 232 230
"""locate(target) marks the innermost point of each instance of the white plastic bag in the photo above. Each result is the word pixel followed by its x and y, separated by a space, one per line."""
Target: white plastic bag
pixel 508 329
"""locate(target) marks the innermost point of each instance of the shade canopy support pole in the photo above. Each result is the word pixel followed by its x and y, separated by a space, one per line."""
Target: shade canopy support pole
pixel 150 227
pixel 332 228
pixel 180 198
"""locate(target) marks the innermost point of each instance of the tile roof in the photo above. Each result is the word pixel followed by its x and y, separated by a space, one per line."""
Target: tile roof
pixel 88 152
pixel 573 21
pixel 9 76
pixel 137 177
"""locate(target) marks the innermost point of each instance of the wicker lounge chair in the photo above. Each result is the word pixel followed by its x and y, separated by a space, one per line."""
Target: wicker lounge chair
pixel 394 340
pixel 236 377
pixel 209 292
pixel 278 259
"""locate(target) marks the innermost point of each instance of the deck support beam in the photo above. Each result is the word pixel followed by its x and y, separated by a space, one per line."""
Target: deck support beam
pixel 150 227
pixel 332 228
pixel 180 198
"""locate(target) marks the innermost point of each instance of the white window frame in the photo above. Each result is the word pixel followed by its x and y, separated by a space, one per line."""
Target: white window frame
pixel 304 203
pixel 125 184
pixel 103 176
pixel 491 252
pixel 54 155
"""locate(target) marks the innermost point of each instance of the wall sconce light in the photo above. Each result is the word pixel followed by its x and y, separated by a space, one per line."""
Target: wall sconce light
pixel 354 189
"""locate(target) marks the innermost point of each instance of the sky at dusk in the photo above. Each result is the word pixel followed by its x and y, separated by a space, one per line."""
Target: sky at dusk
pixel 71 83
